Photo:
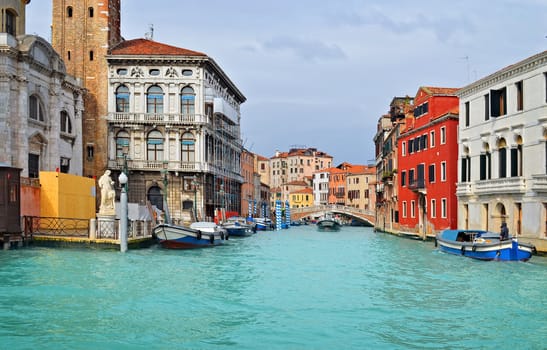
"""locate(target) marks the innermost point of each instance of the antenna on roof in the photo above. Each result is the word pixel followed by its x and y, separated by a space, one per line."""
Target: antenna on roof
pixel 149 35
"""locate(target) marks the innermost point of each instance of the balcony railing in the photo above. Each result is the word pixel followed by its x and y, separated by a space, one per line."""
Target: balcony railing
pixel 504 185
pixel 464 189
pixel 539 183
pixel 159 118
pixel 417 185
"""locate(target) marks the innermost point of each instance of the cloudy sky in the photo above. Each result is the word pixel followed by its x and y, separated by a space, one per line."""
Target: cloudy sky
pixel 320 73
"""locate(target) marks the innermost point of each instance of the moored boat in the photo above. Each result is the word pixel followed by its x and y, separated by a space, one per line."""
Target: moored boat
pixel 197 235
pixel 483 245
pixel 238 227
pixel 328 224
pixel 263 224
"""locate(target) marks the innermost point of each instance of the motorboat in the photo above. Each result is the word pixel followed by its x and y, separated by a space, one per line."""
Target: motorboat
pixel 197 235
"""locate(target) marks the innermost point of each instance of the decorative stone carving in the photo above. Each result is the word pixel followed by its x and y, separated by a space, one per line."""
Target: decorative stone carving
pixel 108 194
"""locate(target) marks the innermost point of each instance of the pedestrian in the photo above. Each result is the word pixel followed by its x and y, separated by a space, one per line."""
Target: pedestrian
pixel 504 234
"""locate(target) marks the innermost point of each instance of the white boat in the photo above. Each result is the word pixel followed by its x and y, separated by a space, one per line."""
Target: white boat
pixel 238 226
pixel 197 235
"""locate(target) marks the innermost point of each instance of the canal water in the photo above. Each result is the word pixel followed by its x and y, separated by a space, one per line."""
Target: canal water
pixel 291 289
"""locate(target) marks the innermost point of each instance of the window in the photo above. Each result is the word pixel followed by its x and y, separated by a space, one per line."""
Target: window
pixel 36 110
pixel 485 166
pixel 121 71
pixel 91 55
pixel 520 96
pixel 69 11
pixel 66 125
pixel 154 145
pixel 154 100
pixel 10 23
pixel 431 173
pixel 411 178
pixel 33 165
pixel 122 99
pixel 423 141
pixel 403 148
pixel 122 144
pixel 432 139
pixel 188 147
pixel 486 107
pixel 498 102
pixel 68 55
pixel 443 208
pixel 187 72
pixel 90 11
pixel 443 135
pixel 412 209
pixel 433 209
pixel 410 146
pixel 154 72
pixel 403 178
pixel 466 113
pixel 90 152
pixel 516 161
pixel 187 101
pixel 466 169
pixel 404 209
pixel 443 171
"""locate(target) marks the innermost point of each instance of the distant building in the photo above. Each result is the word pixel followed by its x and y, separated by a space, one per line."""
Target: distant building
pixel 41 105
pixel 502 151
pixel 360 193
pixel 427 163
pixel 321 187
pixel 248 196
pixel 301 198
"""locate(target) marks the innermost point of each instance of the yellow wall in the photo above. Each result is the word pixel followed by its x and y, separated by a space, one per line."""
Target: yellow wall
pixel 67 196
pixel 298 200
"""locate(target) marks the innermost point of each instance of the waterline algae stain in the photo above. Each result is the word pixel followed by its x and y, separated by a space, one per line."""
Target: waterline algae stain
pixel 295 289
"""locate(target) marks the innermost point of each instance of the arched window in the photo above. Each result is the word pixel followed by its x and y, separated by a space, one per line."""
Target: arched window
pixel 122 99
pixel 155 197
pixel 154 145
pixel 485 163
pixel 122 143
pixel 66 125
pixel 90 11
pixel 188 147
pixel 10 22
pixel 187 101
pixel 502 151
pixel 516 158
pixel 36 109
pixel 69 11
pixel 154 100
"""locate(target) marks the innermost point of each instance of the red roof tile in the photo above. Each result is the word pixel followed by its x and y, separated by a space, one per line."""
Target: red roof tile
pixel 147 47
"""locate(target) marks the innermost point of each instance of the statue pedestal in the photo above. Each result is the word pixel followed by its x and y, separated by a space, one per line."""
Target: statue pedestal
pixel 107 226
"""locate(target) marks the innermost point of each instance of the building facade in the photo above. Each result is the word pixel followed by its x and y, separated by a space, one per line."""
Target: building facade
pixel 83 32
pixel 41 105
pixel 174 124
pixel 321 187
pixel 503 151
pixel 427 161
pixel 360 193
pixel 248 187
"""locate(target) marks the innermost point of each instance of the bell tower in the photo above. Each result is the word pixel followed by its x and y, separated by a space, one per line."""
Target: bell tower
pixel 83 31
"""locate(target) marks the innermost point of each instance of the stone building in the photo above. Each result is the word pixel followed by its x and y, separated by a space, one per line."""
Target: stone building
pixel 41 105
pixel 503 151
pixel 174 122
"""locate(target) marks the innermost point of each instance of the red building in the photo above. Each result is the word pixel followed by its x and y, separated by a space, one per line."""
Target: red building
pixel 428 163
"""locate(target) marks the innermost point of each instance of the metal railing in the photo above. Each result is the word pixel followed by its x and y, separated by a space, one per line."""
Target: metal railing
pixel 53 226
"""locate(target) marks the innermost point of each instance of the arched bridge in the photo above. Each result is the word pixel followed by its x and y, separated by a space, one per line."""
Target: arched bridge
pixel 368 216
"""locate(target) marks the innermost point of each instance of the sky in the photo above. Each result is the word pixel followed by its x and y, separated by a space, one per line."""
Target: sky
pixel 321 73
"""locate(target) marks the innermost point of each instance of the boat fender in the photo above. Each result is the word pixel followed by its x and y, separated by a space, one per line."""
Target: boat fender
pixel 198 235
pixel 435 242
pixel 222 236
pixel 463 250
pixel 212 238
pixel 474 248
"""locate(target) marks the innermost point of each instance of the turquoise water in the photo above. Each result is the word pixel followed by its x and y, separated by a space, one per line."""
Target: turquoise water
pixel 294 289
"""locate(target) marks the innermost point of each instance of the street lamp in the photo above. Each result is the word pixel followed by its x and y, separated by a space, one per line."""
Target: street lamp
pixel 123 213
pixel 125 152
pixel 164 172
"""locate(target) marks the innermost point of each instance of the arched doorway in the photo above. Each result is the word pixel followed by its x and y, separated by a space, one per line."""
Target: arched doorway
pixel 500 215
pixel 155 197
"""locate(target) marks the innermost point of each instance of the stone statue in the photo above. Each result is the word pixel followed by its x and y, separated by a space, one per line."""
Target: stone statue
pixel 108 194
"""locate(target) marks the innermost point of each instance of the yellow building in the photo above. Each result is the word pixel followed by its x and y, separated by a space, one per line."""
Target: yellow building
pixel 301 198
pixel 67 196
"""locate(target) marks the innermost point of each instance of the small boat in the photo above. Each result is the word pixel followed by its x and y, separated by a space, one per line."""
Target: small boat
pixel 263 224
pixel 197 235
pixel 238 226
pixel 328 223
pixel 483 245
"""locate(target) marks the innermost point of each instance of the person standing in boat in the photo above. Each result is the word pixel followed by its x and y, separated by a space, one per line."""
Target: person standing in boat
pixel 504 234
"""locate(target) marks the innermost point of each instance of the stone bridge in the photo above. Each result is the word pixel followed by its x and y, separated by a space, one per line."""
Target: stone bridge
pixel 368 216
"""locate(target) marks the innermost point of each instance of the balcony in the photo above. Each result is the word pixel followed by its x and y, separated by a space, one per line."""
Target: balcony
pixel 509 185
pixel 464 189
pixel 417 185
pixel 539 183
pixel 157 119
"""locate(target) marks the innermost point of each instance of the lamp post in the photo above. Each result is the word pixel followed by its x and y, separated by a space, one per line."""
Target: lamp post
pixel 123 213
pixel 125 152
pixel 195 184
pixel 164 172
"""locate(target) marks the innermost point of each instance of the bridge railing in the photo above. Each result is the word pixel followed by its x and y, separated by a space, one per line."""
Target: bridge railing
pixel 333 208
